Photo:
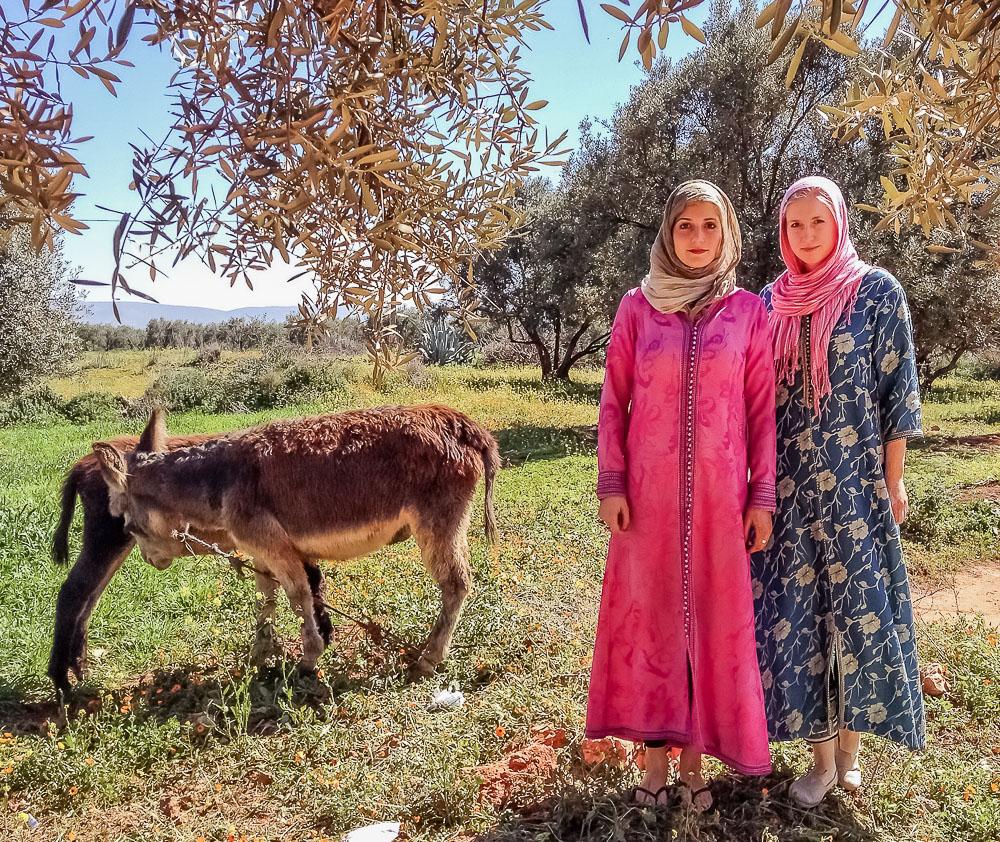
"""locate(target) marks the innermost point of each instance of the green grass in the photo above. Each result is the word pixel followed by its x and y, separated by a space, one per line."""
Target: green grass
pixel 125 373
pixel 178 738
pixel 953 478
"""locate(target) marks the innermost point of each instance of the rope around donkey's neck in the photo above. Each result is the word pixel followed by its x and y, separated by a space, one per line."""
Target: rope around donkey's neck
pixel 242 563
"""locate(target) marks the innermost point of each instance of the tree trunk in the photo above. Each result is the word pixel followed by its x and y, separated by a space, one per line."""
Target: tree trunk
pixel 928 375
pixel 570 357
pixel 598 344
pixel 544 357
pixel 562 370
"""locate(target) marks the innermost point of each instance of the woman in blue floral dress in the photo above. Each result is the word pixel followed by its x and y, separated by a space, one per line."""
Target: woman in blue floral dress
pixel 834 617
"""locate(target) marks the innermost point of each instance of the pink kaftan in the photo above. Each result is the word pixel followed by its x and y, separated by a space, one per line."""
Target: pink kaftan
pixel 687 415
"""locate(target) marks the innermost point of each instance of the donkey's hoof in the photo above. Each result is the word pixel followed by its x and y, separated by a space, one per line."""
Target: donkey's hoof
pixel 423 668
pixel 312 650
pixel 266 647
pixel 64 692
pixel 306 671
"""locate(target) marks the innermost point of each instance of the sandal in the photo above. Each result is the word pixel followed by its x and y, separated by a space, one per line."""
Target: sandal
pixel 654 797
pixel 689 797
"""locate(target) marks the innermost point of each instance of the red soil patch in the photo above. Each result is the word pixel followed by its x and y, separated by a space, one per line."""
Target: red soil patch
pixel 980 491
pixel 518 777
pixel 973 591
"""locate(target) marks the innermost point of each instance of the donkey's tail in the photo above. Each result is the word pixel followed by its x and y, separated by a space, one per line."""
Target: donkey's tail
pixel 60 540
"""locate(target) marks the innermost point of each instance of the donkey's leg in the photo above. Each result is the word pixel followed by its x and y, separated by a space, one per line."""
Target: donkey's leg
pixel 105 547
pixel 323 622
pixel 266 644
pixel 445 551
pixel 261 536
pixel 296 585
pixel 289 568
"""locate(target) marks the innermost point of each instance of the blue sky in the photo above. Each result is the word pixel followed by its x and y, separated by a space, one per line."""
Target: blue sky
pixel 578 79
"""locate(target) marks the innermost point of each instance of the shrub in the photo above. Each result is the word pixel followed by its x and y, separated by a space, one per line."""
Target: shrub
pixel 417 375
pixel 94 406
pixel 183 390
pixel 935 518
pixel 986 366
pixel 35 406
pixel 273 379
pixel 209 355
pixel 305 377
pixel 497 349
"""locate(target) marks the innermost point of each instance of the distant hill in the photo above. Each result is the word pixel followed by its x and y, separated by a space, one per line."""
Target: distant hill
pixel 138 314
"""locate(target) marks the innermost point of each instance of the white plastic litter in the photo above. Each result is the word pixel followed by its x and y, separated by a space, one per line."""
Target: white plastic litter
pixel 447 699
pixel 381 832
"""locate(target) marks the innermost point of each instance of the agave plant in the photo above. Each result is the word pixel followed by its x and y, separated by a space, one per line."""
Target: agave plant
pixel 442 343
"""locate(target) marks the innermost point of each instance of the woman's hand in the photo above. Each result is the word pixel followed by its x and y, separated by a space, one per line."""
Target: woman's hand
pixel 614 512
pixel 899 500
pixel 756 529
pixel 895 464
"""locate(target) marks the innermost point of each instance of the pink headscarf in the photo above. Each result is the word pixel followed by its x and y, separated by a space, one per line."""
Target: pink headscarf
pixel 825 292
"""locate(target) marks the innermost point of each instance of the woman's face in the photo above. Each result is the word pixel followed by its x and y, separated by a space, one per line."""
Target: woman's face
pixel 698 234
pixel 811 230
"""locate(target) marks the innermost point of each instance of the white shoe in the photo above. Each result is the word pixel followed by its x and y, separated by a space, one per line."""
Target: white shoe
pixel 809 790
pixel 848 770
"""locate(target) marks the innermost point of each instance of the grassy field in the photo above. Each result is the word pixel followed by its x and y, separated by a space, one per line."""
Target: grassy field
pixel 177 738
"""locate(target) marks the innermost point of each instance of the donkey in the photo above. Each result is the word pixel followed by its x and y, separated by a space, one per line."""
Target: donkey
pixel 331 487
pixel 105 546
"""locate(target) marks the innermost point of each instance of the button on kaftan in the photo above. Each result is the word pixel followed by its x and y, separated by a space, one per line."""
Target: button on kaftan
pixel 686 410
pixel 835 633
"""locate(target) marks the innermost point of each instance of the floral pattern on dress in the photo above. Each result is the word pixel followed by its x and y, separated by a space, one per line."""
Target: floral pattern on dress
pixel 835 622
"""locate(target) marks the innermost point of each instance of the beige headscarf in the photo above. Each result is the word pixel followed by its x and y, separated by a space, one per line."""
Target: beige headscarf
pixel 672 287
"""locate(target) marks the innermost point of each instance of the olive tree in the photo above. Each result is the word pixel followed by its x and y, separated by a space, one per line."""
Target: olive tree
pixel 37 311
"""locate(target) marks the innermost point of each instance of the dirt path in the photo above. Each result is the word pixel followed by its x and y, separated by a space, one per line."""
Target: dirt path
pixel 976 590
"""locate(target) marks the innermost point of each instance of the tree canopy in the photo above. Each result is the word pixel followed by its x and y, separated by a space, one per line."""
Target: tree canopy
pixel 375 143
pixel 721 113
pixel 378 144
pixel 937 100
pixel 724 113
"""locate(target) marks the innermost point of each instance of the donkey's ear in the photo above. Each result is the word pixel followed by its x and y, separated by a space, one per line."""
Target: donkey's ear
pixel 154 437
pixel 114 468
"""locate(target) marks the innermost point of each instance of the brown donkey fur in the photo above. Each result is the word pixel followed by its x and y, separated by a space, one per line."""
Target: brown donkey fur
pixel 332 487
pixel 106 544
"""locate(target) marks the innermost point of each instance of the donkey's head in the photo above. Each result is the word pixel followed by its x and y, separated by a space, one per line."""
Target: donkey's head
pixel 132 497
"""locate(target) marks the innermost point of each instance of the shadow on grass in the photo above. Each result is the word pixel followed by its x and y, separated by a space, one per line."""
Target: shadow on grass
pixel 215 698
pixel 208 697
pixel 745 809
pixel 530 443
pixel 19 715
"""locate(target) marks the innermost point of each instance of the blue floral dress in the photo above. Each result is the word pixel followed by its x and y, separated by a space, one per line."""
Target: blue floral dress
pixel 834 617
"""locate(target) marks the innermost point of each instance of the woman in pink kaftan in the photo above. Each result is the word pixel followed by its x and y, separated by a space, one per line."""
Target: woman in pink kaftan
pixel 686 454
